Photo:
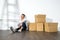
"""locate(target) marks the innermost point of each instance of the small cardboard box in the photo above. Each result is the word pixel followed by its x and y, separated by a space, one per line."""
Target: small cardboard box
pixel 39 26
pixel 40 18
pixel 51 27
pixel 32 27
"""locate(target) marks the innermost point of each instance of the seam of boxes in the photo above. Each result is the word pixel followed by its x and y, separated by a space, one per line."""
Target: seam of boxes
pixel 41 24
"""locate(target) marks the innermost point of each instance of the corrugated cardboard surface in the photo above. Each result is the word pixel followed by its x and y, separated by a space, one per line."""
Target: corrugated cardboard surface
pixel 40 18
pixel 39 26
pixel 32 27
pixel 51 27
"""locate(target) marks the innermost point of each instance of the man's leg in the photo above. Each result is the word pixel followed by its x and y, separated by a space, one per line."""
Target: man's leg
pixel 16 30
pixel 21 28
pixel 24 26
pixel 11 28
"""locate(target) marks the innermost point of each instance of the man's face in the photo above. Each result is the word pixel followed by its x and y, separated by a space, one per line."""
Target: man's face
pixel 22 16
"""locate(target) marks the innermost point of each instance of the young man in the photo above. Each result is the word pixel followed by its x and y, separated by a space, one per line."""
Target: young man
pixel 21 25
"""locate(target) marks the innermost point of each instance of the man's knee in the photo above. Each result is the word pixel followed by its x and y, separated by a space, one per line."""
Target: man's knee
pixel 23 24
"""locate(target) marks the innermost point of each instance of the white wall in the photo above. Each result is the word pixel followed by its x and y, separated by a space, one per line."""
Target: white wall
pixel 49 7
pixel 31 7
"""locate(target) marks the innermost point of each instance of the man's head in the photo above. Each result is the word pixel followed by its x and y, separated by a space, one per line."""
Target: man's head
pixel 22 16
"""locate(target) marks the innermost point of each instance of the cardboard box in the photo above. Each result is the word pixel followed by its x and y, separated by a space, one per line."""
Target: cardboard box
pixel 51 27
pixel 32 27
pixel 40 18
pixel 39 26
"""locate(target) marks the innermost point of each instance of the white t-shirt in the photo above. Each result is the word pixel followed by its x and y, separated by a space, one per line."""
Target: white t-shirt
pixel 21 21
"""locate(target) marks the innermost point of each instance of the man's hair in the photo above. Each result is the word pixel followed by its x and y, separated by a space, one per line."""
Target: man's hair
pixel 23 15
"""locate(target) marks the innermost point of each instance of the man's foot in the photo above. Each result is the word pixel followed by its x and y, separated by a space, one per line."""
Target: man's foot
pixel 11 28
pixel 21 29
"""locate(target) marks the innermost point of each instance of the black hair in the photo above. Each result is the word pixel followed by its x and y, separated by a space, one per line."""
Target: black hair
pixel 23 15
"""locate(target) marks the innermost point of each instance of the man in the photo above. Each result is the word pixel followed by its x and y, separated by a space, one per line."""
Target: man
pixel 21 26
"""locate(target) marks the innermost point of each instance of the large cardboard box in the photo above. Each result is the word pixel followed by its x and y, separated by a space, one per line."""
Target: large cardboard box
pixel 51 27
pixel 32 27
pixel 39 26
pixel 40 18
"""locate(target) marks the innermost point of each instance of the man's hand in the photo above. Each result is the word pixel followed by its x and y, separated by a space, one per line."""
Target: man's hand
pixel 20 24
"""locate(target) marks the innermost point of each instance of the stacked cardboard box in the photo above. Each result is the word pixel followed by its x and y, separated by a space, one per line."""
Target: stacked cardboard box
pixel 51 27
pixel 40 19
pixel 32 27
pixel 36 27
pixel 41 24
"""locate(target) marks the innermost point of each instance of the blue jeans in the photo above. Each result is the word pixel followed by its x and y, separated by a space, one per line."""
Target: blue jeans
pixel 23 25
